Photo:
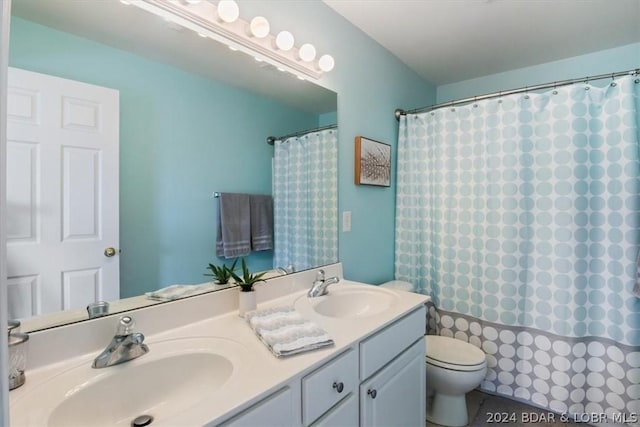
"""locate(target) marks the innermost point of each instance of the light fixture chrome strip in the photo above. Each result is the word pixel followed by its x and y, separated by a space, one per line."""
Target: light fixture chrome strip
pixel 201 18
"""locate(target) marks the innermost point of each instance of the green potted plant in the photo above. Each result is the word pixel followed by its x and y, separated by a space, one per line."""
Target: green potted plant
pixel 222 273
pixel 247 298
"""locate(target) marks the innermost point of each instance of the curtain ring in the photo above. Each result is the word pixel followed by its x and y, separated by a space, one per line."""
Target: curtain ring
pixel 613 80
pixel 475 102
pixel 555 88
pixel 526 94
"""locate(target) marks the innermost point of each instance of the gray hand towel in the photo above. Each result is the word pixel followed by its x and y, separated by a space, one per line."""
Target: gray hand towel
pixel 234 225
pixel 261 222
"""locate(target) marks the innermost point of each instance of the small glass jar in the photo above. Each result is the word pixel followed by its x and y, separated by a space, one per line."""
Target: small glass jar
pixel 17 359
pixel 98 309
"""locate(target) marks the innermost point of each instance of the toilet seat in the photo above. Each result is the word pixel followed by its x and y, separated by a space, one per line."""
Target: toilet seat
pixel 454 354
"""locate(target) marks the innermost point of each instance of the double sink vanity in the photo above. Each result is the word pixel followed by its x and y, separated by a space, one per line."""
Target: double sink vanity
pixel 206 366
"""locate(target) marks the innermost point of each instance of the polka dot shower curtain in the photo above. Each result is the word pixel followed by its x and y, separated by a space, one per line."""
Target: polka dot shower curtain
pixel 305 200
pixel 520 216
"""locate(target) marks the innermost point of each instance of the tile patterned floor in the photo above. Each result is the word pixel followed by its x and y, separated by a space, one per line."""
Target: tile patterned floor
pixel 482 408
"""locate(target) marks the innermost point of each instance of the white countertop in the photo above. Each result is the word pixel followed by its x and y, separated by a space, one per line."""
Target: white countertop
pixel 259 372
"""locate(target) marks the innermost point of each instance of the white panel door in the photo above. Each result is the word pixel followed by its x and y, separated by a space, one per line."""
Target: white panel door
pixel 62 193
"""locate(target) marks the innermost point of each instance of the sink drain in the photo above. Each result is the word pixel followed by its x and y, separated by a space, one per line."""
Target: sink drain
pixel 142 420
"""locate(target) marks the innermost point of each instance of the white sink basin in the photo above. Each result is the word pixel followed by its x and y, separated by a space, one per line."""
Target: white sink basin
pixel 350 301
pixel 174 376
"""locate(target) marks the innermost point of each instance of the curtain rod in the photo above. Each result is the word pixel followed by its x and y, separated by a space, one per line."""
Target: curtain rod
pixel 400 112
pixel 272 139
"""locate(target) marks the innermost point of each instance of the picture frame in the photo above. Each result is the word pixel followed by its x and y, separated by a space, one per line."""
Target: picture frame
pixel 372 162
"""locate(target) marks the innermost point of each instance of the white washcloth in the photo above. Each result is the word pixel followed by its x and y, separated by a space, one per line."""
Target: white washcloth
pixel 174 292
pixel 285 332
pixel 636 285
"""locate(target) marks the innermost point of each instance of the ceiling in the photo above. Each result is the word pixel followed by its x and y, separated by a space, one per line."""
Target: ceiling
pixel 444 41
pixel 447 41
pixel 135 30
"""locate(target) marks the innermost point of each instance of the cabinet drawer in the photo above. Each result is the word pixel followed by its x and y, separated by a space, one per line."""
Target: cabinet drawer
pixel 327 385
pixel 345 414
pixel 379 349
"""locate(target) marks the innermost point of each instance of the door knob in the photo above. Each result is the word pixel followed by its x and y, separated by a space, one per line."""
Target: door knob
pixel 109 252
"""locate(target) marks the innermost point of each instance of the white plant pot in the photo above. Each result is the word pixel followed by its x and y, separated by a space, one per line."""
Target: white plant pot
pixel 246 302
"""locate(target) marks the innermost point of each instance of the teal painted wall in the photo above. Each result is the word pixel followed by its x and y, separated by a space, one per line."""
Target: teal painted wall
pixel 328 119
pixel 602 62
pixel 182 137
pixel 371 83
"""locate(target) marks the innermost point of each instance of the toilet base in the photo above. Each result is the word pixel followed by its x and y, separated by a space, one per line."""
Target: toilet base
pixel 448 410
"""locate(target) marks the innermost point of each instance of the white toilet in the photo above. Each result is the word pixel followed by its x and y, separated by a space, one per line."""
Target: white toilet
pixel 454 368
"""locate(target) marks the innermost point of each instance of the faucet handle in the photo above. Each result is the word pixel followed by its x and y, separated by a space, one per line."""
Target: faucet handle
pixel 126 326
pixel 320 276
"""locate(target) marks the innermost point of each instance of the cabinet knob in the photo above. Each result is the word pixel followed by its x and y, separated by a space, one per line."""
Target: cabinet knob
pixel 338 386
pixel 373 393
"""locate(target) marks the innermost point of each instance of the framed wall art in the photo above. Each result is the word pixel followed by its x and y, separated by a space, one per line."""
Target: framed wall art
pixel 373 162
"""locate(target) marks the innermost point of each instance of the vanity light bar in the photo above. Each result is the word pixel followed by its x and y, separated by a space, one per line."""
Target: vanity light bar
pixel 203 19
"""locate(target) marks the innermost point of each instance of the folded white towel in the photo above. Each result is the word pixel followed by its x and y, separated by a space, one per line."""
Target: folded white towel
pixel 285 332
pixel 174 292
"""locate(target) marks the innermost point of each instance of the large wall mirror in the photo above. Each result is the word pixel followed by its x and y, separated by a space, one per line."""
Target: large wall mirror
pixel 194 118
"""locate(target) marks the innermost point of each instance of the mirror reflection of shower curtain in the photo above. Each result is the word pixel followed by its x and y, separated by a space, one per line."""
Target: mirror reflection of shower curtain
pixel 520 216
pixel 305 197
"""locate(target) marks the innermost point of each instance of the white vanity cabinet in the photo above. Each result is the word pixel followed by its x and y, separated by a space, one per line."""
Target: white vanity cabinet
pixel 390 366
pixel 378 381
pixel 280 409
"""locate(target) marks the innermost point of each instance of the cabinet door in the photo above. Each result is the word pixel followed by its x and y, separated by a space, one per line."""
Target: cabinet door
pixel 345 414
pixel 277 410
pixel 379 349
pixel 396 396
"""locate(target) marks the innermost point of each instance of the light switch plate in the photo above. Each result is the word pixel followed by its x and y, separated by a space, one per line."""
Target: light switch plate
pixel 346 221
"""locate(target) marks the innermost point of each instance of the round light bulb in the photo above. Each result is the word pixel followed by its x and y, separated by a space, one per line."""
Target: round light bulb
pixel 284 40
pixel 193 1
pixel 326 63
pixel 228 11
pixel 307 52
pixel 259 27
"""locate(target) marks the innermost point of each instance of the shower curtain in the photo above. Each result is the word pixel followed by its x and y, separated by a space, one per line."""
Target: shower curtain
pixel 520 216
pixel 305 198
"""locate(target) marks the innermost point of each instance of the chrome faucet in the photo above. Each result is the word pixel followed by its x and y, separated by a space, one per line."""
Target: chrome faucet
pixel 320 285
pixel 125 345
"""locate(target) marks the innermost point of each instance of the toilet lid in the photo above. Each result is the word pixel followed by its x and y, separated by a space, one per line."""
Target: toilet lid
pixel 451 351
